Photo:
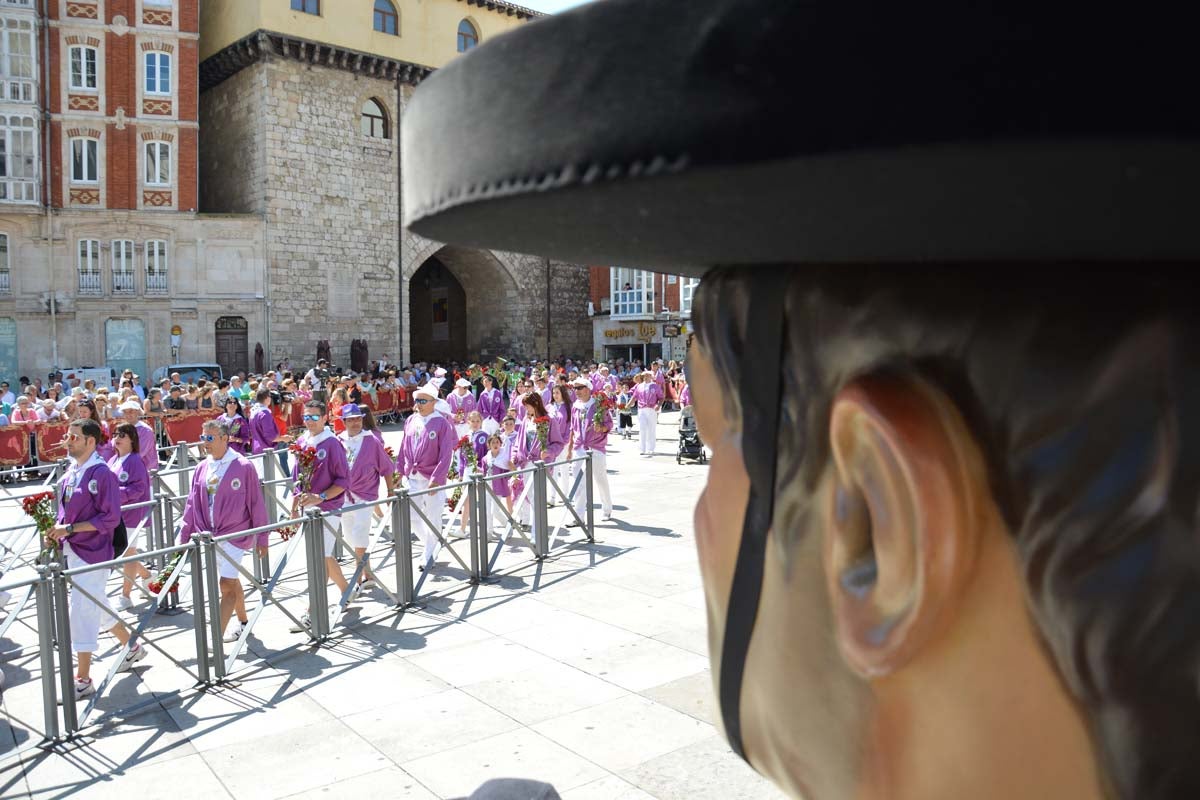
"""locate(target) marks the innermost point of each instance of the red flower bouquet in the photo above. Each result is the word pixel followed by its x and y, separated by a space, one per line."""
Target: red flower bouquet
pixel 543 430
pixel 306 459
pixel 160 580
pixel 604 407
pixel 40 508
pixel 288 532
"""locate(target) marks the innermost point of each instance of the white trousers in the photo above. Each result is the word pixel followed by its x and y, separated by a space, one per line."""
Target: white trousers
pixel 561 473
pixel 86 616
pixel 647 429
pixel 432 504
pixel 599 484
pixel 356 525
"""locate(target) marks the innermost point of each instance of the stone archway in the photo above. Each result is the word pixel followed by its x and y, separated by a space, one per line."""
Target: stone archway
pixel 464 305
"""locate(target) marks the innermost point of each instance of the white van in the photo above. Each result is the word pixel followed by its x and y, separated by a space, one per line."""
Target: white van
pixel 188 373
pixel 75 376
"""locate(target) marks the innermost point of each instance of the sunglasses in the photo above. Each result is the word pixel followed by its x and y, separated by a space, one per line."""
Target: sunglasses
pixel 208 437
pixel 311 417
pixel 421 401
pixel 71 437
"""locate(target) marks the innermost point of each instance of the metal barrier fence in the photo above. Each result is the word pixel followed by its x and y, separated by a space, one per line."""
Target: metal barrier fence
pixel 194 585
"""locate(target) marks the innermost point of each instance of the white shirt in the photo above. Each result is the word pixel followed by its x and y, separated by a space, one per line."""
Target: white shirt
pixel 352 444
pixel 9 398
pixel 214 474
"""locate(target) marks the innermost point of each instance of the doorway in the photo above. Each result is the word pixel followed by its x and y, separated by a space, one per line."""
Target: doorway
pixel 233 348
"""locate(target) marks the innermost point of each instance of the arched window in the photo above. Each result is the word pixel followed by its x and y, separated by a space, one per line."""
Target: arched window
pixel 374 119
pixel 386 19
pixel 468 37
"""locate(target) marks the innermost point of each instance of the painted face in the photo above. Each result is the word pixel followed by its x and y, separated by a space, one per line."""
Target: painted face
pixel 806 742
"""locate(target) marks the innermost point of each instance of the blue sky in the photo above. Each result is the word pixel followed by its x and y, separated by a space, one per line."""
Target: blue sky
pixel 550 6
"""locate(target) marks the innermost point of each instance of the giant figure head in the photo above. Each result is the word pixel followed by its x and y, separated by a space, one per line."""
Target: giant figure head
pixel 944 354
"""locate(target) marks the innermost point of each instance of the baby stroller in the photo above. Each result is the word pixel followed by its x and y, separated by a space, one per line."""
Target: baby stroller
pixel 690 445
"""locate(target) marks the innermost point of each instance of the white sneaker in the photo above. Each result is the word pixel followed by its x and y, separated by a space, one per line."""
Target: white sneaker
pixel 124 602
pixel 136 654
pixel 83 688
pixel 305 624
pixel 607 516
pixel 368 585
pixel 233 632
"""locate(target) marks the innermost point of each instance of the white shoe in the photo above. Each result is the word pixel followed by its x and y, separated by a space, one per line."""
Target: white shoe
pixel 136 654
pixel 305 624
pixel 607 516
pixel 233 632
pixel 368 585
pixel 124 602
pixel 83 688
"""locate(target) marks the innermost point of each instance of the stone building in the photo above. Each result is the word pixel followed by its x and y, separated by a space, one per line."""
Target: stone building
pixel 102 251
pixel 299 110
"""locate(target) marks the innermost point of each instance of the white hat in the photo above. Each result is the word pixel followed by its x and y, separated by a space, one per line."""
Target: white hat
pixel 440 372
pixel 581 383
pixel 604 367
pixel 130 405
pixel 428 390
pixel 463 382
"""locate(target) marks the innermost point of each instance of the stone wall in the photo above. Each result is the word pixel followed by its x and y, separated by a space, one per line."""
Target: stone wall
pixel 232 163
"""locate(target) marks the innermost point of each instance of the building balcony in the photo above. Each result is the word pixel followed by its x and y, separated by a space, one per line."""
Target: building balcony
pixel 5 282
pixel 91 284
pixel 123 283
pixel 19 190
pixel 156 283
pixel 633 303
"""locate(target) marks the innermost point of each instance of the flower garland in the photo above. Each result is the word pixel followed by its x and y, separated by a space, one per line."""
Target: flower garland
pixel 467 453
pixel 40 507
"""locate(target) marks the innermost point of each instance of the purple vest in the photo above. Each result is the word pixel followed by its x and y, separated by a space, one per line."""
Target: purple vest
pixel 96 498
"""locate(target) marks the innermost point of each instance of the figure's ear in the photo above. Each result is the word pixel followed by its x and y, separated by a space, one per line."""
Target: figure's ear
pixel 902 523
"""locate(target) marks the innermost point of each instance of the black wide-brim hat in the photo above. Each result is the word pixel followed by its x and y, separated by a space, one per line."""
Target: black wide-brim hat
pixel 677 134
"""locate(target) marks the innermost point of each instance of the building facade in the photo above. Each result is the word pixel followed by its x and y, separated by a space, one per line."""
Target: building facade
pixel 104 258
pixel 639 315
pixel 300 110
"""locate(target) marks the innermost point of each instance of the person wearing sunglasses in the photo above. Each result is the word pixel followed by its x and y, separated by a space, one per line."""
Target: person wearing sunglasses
pixel 326 485
pixel 424 460
pixel 133 481
pixel 226 497
pixel 239 426
pixel 368 463
pixel 89 510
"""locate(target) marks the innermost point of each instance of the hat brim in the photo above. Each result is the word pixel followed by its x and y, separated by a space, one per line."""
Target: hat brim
pixel 713 132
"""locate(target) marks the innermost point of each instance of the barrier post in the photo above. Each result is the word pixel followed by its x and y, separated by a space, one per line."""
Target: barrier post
pixel 44 597
pixel 318 597
pixel 262 564
pixel 482 524
pixel 588 476
pixel 62 634
pixel 402 545
pixel 473 536
pixel 181 462
pixel 541 516
pixel 212 582
pixel 199 621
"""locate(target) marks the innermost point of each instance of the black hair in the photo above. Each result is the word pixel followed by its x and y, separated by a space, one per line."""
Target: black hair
pixel 1079 384
pixel 261 394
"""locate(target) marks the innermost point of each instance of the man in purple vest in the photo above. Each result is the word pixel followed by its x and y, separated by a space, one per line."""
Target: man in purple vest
pixel 588 436
pixel 226 497
pixel 89 510
pixel 263 432
pixel 368 462
pixel 490 405
pixel 648 397
pixel 147 443
pixel 424 460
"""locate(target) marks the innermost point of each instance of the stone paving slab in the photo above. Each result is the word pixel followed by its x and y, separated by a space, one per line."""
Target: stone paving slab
pixel 588 670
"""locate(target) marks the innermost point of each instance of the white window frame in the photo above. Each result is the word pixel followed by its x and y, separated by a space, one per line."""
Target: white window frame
pixel 5 262
pixel 16 88
pixel 154 154
pixel 687 290
pixel 87 255
pixel 91 157
pixel 19 170
pixel 160 58
pixel 84 77
pixel 638 300
pixel 156 266
pixel 123 260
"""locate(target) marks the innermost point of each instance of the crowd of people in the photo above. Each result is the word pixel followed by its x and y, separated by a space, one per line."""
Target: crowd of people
pixel 478 421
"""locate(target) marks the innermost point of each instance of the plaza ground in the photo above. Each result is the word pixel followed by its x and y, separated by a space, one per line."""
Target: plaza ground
pixel 588 670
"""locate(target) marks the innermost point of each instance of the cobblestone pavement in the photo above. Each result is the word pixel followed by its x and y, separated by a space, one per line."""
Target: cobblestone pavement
pixel 588 670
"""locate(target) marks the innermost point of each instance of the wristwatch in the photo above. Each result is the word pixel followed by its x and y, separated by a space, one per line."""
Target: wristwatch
pixel 323 497
pixel 70 527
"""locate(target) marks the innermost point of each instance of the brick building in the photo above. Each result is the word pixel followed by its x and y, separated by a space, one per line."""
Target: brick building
pixel 634 310
pixel 300 110
pixel 102 251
